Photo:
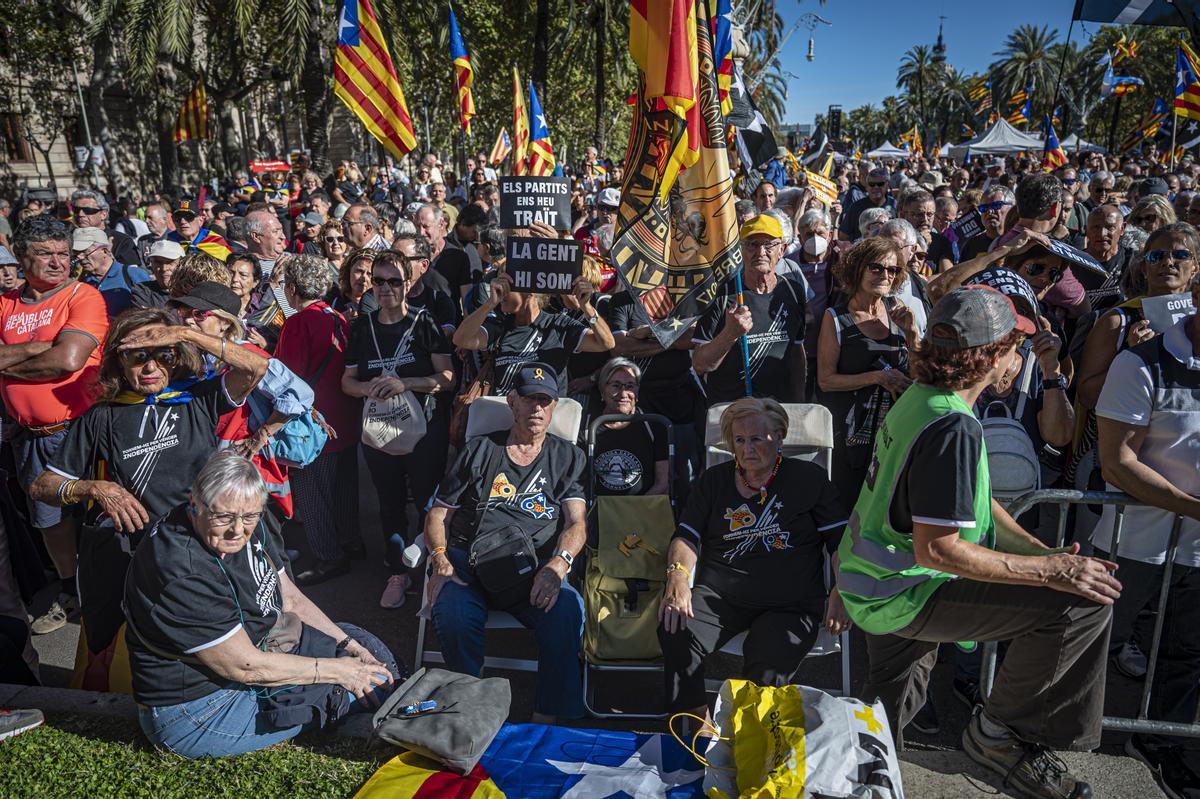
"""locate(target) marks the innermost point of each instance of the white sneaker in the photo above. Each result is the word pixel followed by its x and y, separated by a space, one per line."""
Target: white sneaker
pixel 393 595
pixel 1131 661
pixel 55 617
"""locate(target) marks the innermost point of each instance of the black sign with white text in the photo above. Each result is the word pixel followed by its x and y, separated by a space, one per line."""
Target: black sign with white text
pixel 544 266
pixel 525 200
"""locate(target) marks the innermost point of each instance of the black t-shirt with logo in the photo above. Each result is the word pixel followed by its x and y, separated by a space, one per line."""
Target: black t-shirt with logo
pixel 153 451
pixel 405 347
pixel 484 481
pixel 1105 292
pixel 765 553
pixel 778 327
pixel 183 599
pixel 625 458
pixel 551 338
pixel 667 369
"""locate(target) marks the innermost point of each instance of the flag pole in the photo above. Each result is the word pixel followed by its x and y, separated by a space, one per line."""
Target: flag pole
pixel 741 300
pixel 1174 128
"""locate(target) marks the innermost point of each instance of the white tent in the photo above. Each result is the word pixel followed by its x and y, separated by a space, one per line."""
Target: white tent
pixel 1001 139
pixel 888 150
pixel 1073 143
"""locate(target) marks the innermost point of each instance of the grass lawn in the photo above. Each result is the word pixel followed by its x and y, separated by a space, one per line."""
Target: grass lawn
pixel 94 757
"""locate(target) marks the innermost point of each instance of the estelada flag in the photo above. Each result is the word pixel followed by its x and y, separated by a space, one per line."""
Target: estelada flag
pixel 1052 154
pixel 464 74
pixel 193 115
pixel 520 127
pixel 364 77
pixel 677 234
pixel 501 148
pixel 541 151
pixel 1187 84
pixel 416 777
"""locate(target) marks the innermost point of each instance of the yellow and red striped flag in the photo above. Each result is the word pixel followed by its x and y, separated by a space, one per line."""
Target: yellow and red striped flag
pixel 193 115
pixel 464 75
pixel 364 77
pixel 662 42
pixel 411 775
pixel 541 151
pixel 520 126
pixel 501 148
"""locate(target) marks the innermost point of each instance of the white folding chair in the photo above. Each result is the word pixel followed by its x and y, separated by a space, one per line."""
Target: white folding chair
pixel 809 438
pixel 489 415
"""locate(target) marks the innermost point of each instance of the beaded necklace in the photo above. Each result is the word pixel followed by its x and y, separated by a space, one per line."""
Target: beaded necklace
pixel 762 490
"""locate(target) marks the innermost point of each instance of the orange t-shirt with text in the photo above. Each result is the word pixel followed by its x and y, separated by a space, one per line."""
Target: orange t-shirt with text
pixel 76 308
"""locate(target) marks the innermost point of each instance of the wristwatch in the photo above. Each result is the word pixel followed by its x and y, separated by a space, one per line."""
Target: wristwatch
pixel 1059 382
pixel 593 319
pixel 568 557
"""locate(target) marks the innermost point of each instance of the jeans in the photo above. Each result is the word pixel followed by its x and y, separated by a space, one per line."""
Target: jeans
pixel 227 721
pixel 394 476
pixel 459 616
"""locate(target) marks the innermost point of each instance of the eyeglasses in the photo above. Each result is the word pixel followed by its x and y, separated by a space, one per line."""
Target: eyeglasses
pixel 879 269
pixel 163 356
pixel 761 245
pixel 621 388
pixel 1055 273
pixel 1100 189
pixel 1154 256
pixel 87 210
pixel 996 206
pixel 223 519
pixel 1143 221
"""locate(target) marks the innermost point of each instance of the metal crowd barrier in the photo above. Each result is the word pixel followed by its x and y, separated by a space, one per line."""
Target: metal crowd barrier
pixel 1064 498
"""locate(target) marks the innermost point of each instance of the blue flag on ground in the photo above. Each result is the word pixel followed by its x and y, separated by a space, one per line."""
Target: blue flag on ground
pixel 532 761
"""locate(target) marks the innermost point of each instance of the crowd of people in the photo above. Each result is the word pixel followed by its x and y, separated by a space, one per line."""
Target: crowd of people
pixel 182 375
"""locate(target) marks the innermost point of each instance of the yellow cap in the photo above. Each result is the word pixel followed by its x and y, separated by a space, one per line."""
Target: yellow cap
pixel 762 225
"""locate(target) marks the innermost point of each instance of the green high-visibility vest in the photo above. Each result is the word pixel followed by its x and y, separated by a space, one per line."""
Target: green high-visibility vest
pixel 878 577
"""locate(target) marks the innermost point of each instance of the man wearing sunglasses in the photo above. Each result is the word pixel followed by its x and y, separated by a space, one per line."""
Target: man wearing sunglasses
pixel 50 334
pixel 878 196
pixel 89 209
pixel 995 206
pixel 1099 189
pixel 114 281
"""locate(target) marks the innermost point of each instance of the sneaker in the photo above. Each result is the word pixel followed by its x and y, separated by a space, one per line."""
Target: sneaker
pixel 1131 661
pixel 55 617
pixel 393 595
pixel 967 692
pixel 1034 771
pixel 1168 766
pixel 15 722
pixel 926 720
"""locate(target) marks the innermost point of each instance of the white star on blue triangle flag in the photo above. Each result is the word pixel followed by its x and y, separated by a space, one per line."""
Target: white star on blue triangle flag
pixel 538 762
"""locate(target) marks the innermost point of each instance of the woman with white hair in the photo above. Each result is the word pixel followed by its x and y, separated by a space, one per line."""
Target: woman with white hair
pixel 872 220
pixel 227 655
pixel 630 457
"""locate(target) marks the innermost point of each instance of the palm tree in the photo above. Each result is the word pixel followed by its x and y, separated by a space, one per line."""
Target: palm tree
pixel 601 28
pixel 1027 59
pixel 921 77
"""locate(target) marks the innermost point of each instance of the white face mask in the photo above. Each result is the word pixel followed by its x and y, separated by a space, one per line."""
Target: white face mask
pixel 815 246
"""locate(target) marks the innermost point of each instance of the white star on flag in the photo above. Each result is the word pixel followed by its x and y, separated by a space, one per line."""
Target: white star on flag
pixel 344 23
pixel 641 775
pixel 542 121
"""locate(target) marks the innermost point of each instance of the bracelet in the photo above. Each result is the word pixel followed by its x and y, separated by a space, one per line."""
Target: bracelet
pixel 70 494
pixel 345 642
pixel 62 491
pixel 677 566
pixel 437 551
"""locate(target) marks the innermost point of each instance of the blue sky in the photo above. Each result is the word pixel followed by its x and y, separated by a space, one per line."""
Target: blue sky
pixel 857 57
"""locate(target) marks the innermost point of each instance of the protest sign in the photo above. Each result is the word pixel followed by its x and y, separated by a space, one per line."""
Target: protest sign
pixel 968 225
pixel 1163 312
pixel 525 200
pixel 544 266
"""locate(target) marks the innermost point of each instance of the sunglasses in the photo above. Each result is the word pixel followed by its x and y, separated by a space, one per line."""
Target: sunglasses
pixel 1055 272
pixel 879 269
pixel 163 356
pixel 1070 181
pixel 195 314
pixel 996 206
pixel 390 282
pixel 334 239
pixel 877 184
pixel 1154 256
pixel 86 211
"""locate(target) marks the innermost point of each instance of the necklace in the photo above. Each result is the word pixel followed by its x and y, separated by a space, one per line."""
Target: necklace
pixel 762 489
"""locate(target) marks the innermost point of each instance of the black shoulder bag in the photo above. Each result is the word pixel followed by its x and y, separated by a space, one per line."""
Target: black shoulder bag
pixel 504 559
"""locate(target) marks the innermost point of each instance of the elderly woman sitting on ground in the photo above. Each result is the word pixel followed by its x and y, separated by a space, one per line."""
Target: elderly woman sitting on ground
pixel 754 535
pixel 227 655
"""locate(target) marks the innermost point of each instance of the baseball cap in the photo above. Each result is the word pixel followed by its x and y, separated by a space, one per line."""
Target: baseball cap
pixel 84 238
pixel 312 218
pixel 609 197
pixel 187 206
pixel 1011 285
pixel 166 249
pixel 762 224
pixel 222 208
pixel 1153 186
pixel 211 296
pixel 536 378
pixel 974 316
pixel 6 256
pixel 996 163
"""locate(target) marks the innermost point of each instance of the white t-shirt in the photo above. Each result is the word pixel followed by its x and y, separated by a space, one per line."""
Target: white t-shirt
pixel 906 296
pixel 1171 448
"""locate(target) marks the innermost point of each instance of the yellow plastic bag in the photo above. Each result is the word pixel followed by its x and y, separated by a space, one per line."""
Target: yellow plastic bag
pixel 767 727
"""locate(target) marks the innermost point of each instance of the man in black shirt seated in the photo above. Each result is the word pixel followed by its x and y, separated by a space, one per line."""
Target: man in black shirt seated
pixel 508 488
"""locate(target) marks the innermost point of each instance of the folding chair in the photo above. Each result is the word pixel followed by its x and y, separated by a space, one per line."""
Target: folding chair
pixel 489 415
pixel 647 527
pixel 809 438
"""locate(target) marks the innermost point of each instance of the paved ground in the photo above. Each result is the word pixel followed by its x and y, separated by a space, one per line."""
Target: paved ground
pixel 933 766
